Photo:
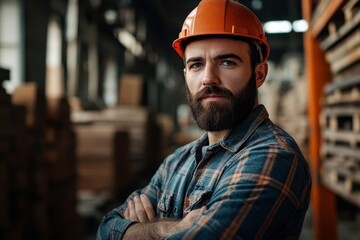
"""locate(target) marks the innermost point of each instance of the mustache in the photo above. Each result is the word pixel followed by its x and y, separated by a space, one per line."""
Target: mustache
pixel 212 90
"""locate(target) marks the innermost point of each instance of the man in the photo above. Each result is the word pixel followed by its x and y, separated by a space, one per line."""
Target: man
pixel 245 178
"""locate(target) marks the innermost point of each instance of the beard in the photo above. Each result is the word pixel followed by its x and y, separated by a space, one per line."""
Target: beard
pixel 217 116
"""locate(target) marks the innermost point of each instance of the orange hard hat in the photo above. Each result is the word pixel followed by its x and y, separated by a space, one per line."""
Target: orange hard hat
pixel 222 17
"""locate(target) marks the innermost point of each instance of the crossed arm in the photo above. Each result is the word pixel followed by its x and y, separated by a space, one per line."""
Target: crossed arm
pixel 244 204
pixel 140 210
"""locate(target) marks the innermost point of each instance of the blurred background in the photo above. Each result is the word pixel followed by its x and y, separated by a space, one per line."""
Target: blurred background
pixel 92 99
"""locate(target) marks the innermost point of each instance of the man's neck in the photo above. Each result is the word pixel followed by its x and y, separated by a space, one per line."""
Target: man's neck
pixel 216 136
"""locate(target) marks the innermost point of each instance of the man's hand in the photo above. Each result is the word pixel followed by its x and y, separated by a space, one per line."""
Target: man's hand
pixel 186 221
pixel 159 229
pixel 140 209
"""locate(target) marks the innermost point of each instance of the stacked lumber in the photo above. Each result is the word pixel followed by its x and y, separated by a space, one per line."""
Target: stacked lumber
pixel 292 113
pixel 340 118
pixel 13 167
pixel 61 163
pixel 115 145
pixel 37 167
pixel 31 97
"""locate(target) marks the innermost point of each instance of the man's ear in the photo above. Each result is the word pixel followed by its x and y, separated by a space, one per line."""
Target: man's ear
pixel 184 70
pixel 261 71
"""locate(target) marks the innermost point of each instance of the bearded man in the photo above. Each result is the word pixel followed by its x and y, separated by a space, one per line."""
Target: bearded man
pixel 245 178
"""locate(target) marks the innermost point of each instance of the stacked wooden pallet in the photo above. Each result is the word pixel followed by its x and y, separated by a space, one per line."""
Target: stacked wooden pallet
pixel 33 99
pixel 341 111
pixel 114 145
pixel 61 163
pixel 13 167
pixel 37 167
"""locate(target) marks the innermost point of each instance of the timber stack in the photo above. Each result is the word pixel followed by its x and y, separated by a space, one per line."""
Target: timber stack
pixel 37 167
pixel 340 120
pixel 14 184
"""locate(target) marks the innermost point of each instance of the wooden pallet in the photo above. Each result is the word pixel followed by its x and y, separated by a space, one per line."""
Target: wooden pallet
pixel 343 92
pixel 341 25
pixel 341 118
pixel 320 8
pixel 339 97
pixel 347 74
pixel 342 180
pixel 345 53
pixel 347 138
pixel 350 9
pixel 343 152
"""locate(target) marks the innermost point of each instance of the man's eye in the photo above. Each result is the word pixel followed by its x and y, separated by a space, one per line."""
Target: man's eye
pixel 228 63
pixel 195 65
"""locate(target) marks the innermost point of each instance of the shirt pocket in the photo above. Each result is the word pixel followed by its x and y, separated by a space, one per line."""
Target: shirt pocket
pixel 165 205
pixel 198 198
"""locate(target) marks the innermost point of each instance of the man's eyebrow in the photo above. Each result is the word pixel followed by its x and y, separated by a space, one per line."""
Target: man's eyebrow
pixel 227 56
pixel 193 59
pixel 218 57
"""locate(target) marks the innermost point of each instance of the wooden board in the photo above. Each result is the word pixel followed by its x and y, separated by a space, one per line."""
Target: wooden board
pixel 347 138
pixel 341 118
pixel 343 48
pixel 341 151
pixel 341 31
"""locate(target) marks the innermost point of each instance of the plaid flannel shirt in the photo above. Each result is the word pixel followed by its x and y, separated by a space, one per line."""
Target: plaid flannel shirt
pixel 255 183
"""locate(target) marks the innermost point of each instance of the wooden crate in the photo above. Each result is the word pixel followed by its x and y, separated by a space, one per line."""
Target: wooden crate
pixel 142 127
pixel 345 53
pixel 342 176
pixel 95 157
pixel 341 118
pixel 341 24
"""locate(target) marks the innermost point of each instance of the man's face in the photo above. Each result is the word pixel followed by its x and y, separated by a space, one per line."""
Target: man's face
pixel 221 86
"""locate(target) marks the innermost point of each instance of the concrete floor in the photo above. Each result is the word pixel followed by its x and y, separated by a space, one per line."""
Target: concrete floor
pixel 346 229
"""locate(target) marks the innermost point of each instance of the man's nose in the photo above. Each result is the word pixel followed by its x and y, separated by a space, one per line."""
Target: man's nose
pixel 210 76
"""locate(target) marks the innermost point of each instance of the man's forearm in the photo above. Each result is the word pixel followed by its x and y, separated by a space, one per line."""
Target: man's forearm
pixel 152 230
pixel 161 228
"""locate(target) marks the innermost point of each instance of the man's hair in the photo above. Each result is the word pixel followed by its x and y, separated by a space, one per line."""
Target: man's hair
pixel 254 47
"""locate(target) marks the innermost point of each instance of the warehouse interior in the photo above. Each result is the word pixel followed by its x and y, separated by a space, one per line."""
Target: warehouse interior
pixel 92 99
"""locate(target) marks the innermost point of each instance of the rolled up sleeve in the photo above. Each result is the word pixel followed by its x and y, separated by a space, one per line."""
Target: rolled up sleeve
pixel 113 226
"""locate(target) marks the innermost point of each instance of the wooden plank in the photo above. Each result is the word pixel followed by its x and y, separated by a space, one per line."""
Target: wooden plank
pixel 350 9
pixel 319 23
pixel 349 26
pixel 349 74
pixel 344 47
pixel 348 83
pixel 340 189
pixel 347 167
pixel 341 151
pixel 351 138
pixel 341 118
pixel 338 97
pixel 346 61
pixel 341 110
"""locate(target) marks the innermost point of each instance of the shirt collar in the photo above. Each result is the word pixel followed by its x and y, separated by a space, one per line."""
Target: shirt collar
pixel 237 136
pixel 244 130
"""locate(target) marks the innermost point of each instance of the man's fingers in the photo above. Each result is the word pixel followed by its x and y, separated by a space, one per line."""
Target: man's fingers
pixel 149 210
pixel 140 210
pixel 203 209
pixel 132 211
pixel 126 214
